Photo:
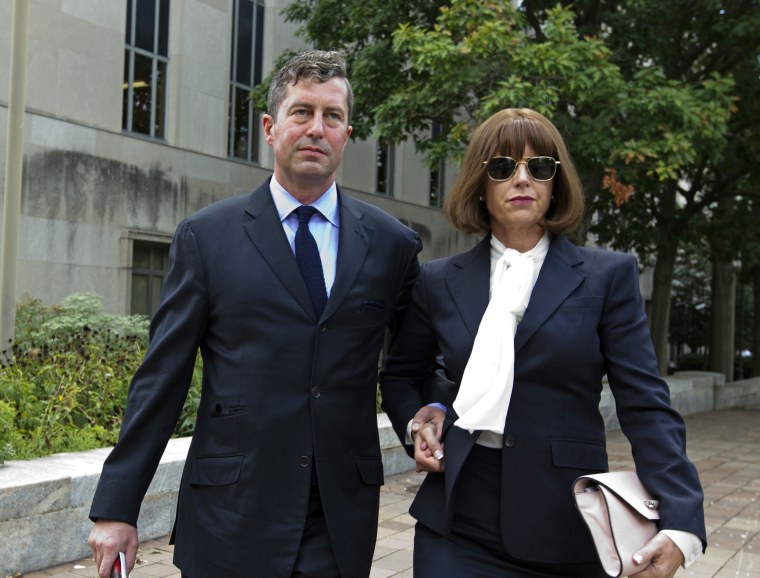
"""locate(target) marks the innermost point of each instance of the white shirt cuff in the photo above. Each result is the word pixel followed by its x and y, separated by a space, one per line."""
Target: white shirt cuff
pixel 688 543
pixel 408 438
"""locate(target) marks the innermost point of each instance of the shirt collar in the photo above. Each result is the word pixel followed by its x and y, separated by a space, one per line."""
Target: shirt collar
pixel 326 204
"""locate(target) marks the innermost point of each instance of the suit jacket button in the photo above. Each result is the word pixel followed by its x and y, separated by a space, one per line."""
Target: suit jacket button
pixel 510 441
pixel 315 392
pixel 322 328
pixel 304 461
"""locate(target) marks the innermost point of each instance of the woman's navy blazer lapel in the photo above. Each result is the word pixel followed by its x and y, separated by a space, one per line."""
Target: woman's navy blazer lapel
pixel 560 275
pixel 469 275
pixel 467 279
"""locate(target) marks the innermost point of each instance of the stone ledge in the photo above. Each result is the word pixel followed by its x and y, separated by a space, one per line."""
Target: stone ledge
pixel 44 502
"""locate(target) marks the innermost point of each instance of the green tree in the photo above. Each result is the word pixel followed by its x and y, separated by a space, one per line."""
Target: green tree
pixel 646 126
pixel 693 43
pixel 363 29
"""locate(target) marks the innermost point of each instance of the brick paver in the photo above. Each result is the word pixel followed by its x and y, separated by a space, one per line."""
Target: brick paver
pixel 724 445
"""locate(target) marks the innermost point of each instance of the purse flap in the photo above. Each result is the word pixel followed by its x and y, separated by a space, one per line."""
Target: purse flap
pixel 627 486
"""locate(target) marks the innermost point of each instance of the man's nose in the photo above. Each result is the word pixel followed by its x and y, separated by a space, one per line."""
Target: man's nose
pixel 316 127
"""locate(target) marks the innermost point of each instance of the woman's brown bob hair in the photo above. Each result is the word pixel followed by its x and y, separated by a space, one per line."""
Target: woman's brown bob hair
pixel 506 133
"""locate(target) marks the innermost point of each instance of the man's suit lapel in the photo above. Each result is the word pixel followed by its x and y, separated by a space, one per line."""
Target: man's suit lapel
pixel 265 231
pixel 354 240
pixel 560 275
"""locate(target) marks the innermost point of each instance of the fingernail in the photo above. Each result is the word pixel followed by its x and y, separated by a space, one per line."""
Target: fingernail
pixel 638 559
pixel 438 454
pixel 415 426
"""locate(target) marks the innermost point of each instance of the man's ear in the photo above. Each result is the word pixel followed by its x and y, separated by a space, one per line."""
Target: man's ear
pixel 267 123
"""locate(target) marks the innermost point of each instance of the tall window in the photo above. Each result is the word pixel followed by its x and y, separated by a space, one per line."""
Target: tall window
pixel 384 161
pixel 146 65
pixel 150 263
pixel 437 174
pixel 247 42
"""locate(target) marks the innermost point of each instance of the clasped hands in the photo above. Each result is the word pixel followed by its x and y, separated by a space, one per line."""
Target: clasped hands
pixel 427 431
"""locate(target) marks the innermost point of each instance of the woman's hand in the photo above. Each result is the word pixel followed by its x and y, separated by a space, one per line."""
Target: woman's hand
pixel 659 558
pixel 427 430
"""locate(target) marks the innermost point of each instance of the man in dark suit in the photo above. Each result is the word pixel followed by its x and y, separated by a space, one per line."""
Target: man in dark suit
pixel 283 474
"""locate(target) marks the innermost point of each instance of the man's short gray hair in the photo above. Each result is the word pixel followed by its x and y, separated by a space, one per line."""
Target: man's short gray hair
pixel 320 65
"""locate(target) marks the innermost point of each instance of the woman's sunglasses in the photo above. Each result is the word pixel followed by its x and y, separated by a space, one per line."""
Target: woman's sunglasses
pixel 504 168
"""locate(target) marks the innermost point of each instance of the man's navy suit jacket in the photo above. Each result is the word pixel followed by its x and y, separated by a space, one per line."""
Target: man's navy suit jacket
pixel 283 392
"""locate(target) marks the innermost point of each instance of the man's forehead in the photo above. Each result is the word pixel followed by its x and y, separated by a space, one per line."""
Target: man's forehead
pixel 308 86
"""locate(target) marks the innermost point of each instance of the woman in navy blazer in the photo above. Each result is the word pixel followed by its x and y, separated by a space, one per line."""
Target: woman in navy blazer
pixel 497 500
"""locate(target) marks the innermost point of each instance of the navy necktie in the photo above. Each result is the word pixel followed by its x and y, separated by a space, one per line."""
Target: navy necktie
pixel 307 257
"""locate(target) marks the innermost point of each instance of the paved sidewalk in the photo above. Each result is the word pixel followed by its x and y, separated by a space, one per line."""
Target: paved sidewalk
pixel 725 446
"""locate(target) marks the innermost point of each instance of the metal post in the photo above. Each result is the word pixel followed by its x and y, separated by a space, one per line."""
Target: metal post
pixel 14 167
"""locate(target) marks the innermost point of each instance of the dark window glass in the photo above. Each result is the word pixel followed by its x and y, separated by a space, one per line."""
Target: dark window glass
pixel 384 167
pixel 437 184
pixel 142 92
pixel 259 44
pixel 244 43
pixel 160 82
pixel 130 40
pixel 243 112
pixel 437 181
pixel 163 29
pixel 125 100
pixel 146 25
pixel 139 303
pixel 150 263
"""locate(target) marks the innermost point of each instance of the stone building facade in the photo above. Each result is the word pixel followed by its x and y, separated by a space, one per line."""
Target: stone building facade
pixel 136 117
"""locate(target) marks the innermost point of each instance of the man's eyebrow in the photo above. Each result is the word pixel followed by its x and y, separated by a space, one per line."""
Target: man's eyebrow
pixel 301 104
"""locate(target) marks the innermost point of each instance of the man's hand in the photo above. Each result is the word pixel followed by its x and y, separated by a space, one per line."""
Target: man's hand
pixel 659 558
pixel 107 539
pixel 427 430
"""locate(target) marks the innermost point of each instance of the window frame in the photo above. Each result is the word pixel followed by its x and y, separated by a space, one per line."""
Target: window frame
pixel 159 70
pixel 131 239
pixel 236 87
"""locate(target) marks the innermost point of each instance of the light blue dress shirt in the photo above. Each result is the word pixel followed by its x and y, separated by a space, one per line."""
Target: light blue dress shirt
pixel 324 225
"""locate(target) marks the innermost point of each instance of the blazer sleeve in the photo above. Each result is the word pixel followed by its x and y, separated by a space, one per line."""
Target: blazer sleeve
pixel 656 431
pixel 159 386
pixel 406 381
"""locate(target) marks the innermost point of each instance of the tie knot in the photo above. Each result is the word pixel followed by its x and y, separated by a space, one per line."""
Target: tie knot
pixel 304 214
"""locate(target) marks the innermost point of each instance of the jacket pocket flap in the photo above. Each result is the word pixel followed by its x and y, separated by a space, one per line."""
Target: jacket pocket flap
pixel 370 470
pixel 216 471
pixel 580 454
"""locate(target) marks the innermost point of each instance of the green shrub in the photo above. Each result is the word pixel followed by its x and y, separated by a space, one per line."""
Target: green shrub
pixel 6 431
pixel 67 386
pixel 72 364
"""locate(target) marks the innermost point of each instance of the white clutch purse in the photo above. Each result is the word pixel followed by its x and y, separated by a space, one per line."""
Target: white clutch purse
pixel 621 515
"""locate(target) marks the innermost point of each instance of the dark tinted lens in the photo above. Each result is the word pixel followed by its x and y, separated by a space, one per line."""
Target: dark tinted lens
pixel 501 168
pixel 542 168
